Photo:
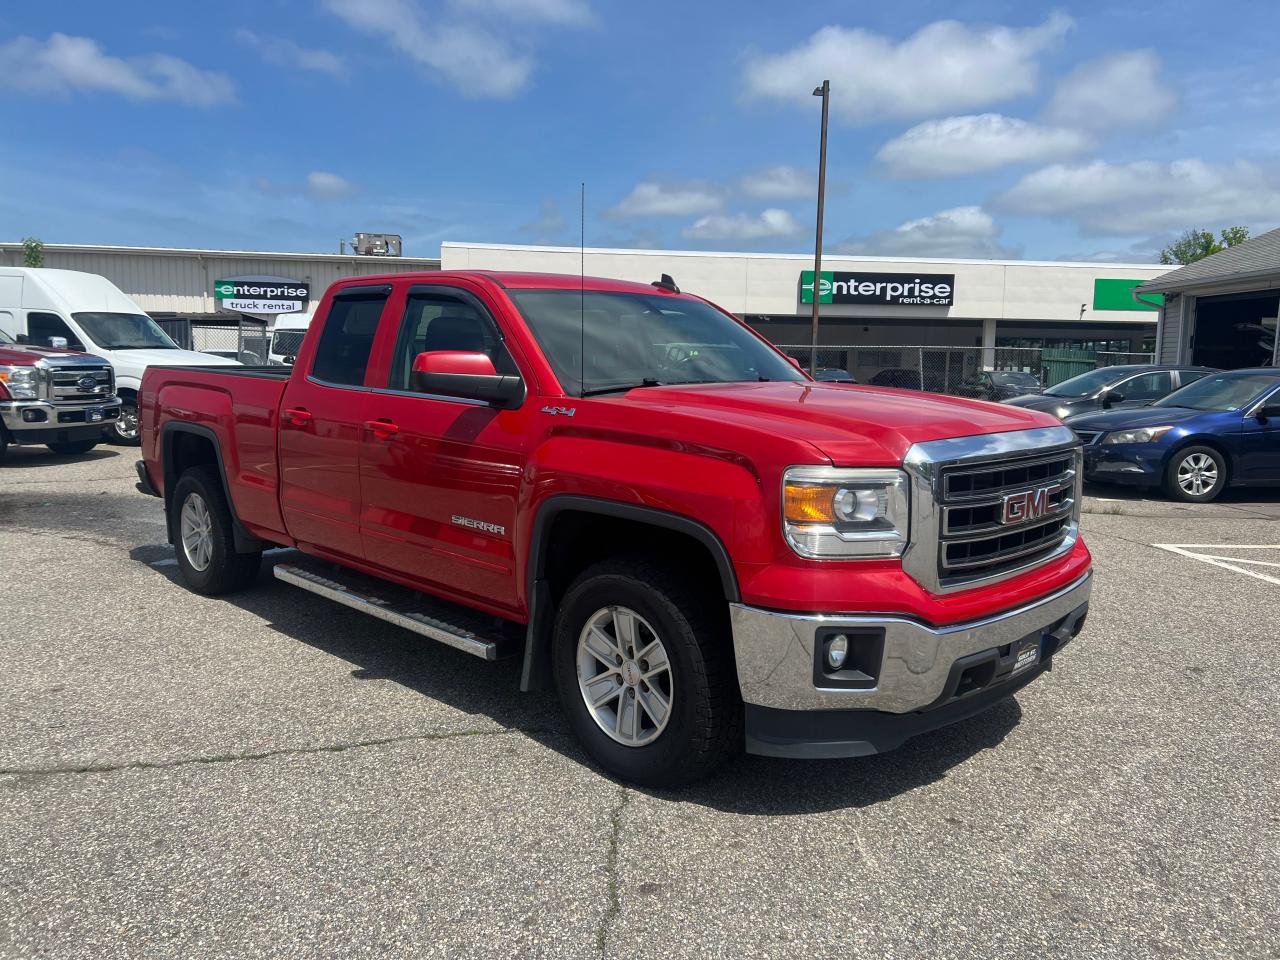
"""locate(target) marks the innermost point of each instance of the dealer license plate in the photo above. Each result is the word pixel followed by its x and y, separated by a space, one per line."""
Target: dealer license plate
pixel 93 415
pixel 1028 655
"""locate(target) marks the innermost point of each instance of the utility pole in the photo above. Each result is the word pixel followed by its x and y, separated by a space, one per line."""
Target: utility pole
pixel 824 92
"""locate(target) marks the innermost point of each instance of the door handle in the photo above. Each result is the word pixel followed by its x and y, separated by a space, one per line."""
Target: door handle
pixel 382 429
pixel 298 416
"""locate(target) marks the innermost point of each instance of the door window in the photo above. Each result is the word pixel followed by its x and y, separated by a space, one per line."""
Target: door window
pixel 1191 376
pixel 347 339
pixel 42 326
pixel 434 321
pixel 1149 386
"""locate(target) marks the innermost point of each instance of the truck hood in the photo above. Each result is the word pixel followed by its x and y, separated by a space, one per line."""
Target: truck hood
pixel 851 425
pixel 131 363
pixel 22 355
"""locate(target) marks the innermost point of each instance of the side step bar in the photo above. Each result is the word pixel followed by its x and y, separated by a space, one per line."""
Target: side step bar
pixel 466 630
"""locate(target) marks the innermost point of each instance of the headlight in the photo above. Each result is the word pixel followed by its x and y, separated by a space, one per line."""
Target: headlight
pixel 1143 435
pixel 21 382
pixel 835 512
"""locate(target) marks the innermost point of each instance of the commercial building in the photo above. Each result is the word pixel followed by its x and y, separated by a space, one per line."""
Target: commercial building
pixel 1221 311
pixel 941 317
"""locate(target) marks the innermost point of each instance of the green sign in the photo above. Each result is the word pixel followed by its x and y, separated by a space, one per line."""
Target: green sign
pixel 824 290
pixel 1117 295
pixel 224 289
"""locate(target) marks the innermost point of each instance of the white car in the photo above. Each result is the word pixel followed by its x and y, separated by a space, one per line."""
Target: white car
pixel 83 311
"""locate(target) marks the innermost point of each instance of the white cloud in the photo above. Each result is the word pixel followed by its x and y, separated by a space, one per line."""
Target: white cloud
pixel 549 225
pixel 961 232
pixel 742 227
pixel 286 53
pixel 1147 197
pixel 780 182
pixel 1113 92
pixel 64 65
pixel 476 62
pixel 945 66
pixel 565 13
pixel 328 186
pixel 685 199
pixel 956 146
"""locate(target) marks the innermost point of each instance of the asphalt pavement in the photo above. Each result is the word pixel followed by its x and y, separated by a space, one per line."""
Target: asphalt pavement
pixel 273 775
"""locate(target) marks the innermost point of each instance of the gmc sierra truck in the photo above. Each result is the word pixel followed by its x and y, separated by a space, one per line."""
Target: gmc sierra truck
pixel 53 396
pixel 699 546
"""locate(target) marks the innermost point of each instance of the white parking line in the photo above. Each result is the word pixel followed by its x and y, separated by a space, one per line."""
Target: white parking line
pixel 1197 551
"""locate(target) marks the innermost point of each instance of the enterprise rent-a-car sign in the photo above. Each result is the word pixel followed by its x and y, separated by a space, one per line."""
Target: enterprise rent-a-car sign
pixel 269 295
pixel 905 289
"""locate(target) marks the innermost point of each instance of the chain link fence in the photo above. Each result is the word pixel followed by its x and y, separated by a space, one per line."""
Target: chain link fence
pixel 953 370
pixel 245 339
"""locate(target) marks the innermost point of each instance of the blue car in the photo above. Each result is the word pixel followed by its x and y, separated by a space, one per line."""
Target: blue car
pixel 1223 430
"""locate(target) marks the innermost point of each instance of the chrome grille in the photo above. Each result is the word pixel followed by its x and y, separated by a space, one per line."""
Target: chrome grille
pixel 980 535
pixel 71 384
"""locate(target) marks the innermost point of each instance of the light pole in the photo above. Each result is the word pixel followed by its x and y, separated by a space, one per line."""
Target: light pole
pixel 824 92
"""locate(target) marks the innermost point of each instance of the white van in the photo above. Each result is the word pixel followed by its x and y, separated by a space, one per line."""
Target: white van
pixel 286 336
pixel 83 311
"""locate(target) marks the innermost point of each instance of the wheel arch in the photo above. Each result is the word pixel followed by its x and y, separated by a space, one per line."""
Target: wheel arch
pixel 558 528
pixel 186 445
pixel 1203 440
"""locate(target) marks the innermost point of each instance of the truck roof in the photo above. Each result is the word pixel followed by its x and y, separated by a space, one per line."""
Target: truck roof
pixel 516 280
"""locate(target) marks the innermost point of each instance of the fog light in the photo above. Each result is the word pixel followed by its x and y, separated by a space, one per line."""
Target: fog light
pixel 34 416
pixel 837 651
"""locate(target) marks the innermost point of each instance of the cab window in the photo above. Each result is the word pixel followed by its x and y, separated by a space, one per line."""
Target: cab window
pixel 42 326
pixel 437 321
pixel 342 356
pixel 1149 386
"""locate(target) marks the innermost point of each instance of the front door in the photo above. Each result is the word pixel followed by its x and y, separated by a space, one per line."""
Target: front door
pixel 440 476
pixel 1260 448
pixel 322 425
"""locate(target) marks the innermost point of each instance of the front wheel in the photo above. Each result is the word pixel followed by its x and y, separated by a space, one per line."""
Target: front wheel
pixel 124 430
pixel 1196 475
pixel 72 447
pixel 643 668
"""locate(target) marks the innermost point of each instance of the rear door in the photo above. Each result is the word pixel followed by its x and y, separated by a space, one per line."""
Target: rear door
pixel 321 425
pixel 440 475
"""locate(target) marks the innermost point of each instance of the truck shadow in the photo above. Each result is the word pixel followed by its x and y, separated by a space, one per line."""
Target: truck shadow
pixel 754 786
pixel 36 457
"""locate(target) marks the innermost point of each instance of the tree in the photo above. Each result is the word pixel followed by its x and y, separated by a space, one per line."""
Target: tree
pixel 1197 244
pixel 32 252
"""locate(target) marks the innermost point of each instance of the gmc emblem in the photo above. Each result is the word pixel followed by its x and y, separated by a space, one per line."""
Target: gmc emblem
pixel 1029 505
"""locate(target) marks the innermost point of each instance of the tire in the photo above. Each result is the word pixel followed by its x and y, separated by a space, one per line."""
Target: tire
pixel 703 721
pixel 124 430
pixel 208 562
pixel 72 447
pixel 1196 475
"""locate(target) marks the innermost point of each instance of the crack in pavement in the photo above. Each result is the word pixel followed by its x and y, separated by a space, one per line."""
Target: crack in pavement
pixel 28 483
pixel 614 907
pixel 247 755
pixel 48 534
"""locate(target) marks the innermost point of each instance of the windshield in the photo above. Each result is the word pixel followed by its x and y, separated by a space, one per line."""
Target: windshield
pixel 633 340
pixel 286 343
pixel 1007 378
pixel 1221 391
pixel 124 331
pixel 1087 383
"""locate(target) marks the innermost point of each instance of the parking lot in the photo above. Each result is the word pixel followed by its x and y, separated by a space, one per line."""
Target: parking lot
pixel 273 775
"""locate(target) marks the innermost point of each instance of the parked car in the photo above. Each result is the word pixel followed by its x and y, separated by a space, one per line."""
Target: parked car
pixel 833 375
pixel 699 548
pixel 89 313
pixel 899 377
pixel 997 385
pixel 1220 431
pixel 1130 385
pixel 53 397
pixel 286 336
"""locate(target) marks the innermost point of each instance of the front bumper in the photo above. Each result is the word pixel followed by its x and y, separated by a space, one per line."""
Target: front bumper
pixel 902 678
pixel 1140 463
pixel 39 421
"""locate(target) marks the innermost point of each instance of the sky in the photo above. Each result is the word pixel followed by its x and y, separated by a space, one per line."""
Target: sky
pixel 998 128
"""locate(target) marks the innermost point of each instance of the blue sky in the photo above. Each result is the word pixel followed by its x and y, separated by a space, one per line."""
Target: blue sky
pixel 1009 129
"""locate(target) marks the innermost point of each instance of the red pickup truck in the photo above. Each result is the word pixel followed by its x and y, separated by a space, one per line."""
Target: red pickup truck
pixel 698 545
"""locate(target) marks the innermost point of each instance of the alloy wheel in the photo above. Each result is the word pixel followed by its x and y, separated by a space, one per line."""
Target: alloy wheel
pixel 624 675
pixel 1197 474
pixel 196 525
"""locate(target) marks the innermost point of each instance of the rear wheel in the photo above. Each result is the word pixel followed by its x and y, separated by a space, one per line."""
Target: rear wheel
pixel 205 541
pixel 72 447
pixel 124 430
pixel 643 669
pixel 1196 475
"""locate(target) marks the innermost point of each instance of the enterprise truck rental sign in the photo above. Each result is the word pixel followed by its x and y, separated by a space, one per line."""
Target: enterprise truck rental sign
pixel 893 289
pixel 262 295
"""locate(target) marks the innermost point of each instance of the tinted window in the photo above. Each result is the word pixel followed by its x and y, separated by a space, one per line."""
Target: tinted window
pixel 343 353
pixel 1088 383
pixel 1221 391
pixel 1149 386
pixel 42 326
pixel 1191 376
pixel 439 322
pixel 600 341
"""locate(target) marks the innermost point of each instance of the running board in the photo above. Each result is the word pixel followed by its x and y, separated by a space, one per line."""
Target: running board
pixel 475 633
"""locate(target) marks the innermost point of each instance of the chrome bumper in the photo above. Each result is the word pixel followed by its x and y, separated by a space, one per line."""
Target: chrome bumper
pixel 11 414
pixel 777 666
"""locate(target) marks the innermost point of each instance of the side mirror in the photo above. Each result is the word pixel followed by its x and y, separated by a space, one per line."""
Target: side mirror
pixel 1267 412
pixel 470 376
pixel 1111 397
pixel 58 343
pixel 289 361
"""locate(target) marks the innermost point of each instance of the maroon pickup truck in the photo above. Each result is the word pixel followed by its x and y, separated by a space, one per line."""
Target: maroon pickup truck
pixel 701 548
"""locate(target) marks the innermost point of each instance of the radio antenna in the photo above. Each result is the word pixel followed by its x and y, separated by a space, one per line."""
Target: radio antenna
pixel 582 287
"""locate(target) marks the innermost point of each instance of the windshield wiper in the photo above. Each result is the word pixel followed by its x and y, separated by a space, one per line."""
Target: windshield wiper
pixel 622 387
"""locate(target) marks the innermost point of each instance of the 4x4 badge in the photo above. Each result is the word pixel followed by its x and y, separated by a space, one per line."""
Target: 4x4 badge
pixel 564 411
